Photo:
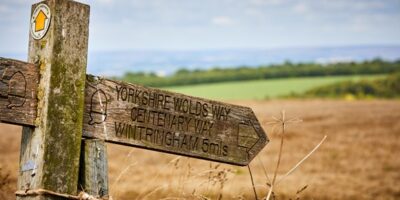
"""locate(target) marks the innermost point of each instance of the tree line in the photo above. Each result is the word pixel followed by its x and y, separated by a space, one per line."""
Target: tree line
pixel 388 87
pixel 284 70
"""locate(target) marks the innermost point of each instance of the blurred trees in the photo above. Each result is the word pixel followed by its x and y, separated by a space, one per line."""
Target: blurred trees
pixel 284 70
pixel 382 88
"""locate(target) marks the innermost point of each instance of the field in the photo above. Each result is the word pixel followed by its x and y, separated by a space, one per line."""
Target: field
pixel 261 89
pixel 358 160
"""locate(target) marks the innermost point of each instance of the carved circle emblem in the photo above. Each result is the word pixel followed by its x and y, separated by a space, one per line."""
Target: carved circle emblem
pixel 40 21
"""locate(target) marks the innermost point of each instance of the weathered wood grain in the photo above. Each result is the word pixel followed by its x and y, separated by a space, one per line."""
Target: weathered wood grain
pixel 169 122
pixel 50 151
pixel 93 172
pixel 163 121
pixel 18 91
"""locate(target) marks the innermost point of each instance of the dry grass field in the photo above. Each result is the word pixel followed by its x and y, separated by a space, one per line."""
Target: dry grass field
pixel 360 158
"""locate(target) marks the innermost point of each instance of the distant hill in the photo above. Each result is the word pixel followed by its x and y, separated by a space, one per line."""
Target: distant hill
pixel 166 62
pixel 184 77
pixel 109 63
pixel 266 88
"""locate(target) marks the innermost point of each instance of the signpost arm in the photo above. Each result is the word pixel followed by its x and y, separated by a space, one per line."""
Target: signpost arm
pixel 93 178
pixel 50 151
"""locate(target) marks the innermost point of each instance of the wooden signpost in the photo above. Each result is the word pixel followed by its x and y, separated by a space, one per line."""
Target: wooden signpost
pixel 164 121
pixel 58 106
pixel 159 120
pixel 51 147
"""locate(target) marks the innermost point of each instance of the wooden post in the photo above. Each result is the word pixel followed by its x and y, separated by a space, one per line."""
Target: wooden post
pixel 50 152
pixel 93 178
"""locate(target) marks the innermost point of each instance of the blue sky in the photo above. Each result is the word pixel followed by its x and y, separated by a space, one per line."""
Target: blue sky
pixel 220 24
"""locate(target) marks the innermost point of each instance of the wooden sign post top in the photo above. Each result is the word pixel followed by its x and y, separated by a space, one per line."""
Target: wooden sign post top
pixel 50 146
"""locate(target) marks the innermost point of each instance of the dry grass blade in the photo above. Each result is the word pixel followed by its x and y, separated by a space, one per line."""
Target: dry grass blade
pixel 173 198
pixel 302 189
pixel 283 122
pixel 269 192
pixel 202 197
pixel 184 179
pixel 129 154
pixel 119 177
pixel 155 190
pixel 302 160
pixel 214 176
pixel 122 173
pixel 173 161
pixel 4 180
pixel 252 183
pixel 209 180
pixel 264 170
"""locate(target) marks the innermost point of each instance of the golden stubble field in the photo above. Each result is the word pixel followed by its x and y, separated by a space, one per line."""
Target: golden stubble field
pixel 360 158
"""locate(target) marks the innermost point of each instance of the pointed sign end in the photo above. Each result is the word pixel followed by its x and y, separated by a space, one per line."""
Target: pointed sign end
pixel 251 138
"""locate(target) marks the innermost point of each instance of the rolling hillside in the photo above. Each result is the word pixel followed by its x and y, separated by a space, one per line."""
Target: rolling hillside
pixel 261 89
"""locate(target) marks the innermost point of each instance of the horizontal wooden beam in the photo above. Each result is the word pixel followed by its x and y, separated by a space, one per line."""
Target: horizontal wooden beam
pixel 18 91
pixel 160 120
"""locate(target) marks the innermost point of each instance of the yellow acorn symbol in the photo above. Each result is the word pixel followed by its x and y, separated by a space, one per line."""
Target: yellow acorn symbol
pixel 98 107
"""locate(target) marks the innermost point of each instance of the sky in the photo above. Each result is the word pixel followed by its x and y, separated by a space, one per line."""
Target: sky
pixel 220 24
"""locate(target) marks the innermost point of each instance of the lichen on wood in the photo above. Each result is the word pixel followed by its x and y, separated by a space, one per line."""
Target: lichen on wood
pixel 54 143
